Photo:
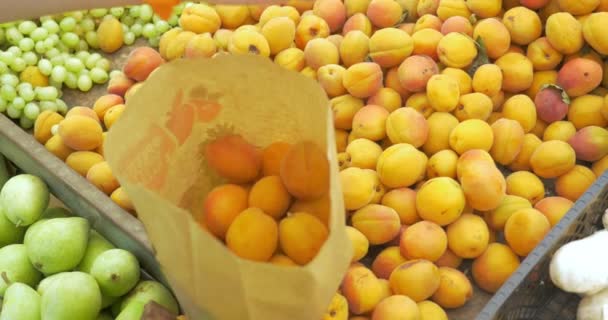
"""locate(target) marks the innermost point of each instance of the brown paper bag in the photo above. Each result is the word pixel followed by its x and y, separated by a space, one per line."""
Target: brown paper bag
pixel 155 150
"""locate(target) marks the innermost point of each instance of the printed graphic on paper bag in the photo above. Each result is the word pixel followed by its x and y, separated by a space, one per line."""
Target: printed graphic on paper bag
pixel 199 105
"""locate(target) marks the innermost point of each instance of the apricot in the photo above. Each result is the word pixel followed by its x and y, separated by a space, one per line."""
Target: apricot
pixel 100 175
pixel 457 24
pixel 363 79
pixel 497 218
pixel 384 13
pixel 423 240
pixel 82 161
pixel 443 92
pixel 543 55
pixel 456 50
pixel 320 52
pixel 362 153
pixel 471 134
pixel 539 128
pixel 600 166
pixel 200 18
pixel 559 130
pixel 113 114
pixel 525 229
pixel 388 98
pixel 269 195
pixel 272 156
pixel 282 260
pixel 344 109
pixel 234 158
pixel 330 77
pixel 253 235
pixel 430 310
pixel 440 200
pixel 370 122
pixel 428 21
pixel 358 188
pixel 508 140
pixel 44 123
pixel 420 102
pixel 388 47
pixel 554 208
pixel 105 102
pixel 359 243
pixel 80 133
pixel 474 106
pixel 337 309
pixel 449 259
pixel 380 224
pixel 590 143
pixel 397 307
pixel 579 76
pixel 403 201
pixel 354 48
pixel 57 147
pixel 552 159
pixel 465 82
pixel 580 7
pixel 425 42
pixel 440 124
pixel 221 206
pixel 110 35
pixel 310 27
pixel 332 11
pixel 356 6
pixel 274 11
pixel 82 111
pixel 415 72
pixel 301 236
pixel 487 79
pixel 442 164
pixel 427 7
pixel 305 171
pixel 248 42
pixel 417 279
pixel 407 125
pixel 280 33
pixel 468 236
pixel 362 289
pixel 291 59
pixel 494 34
pixel 523 24
pixel 521 109
pixel 360 22
pixel 141 62
pixel 564 32
pixel 483 187
pixel 470 160
pixel 551 104
pixel 492 269
pixel 454 290
pixel 526 185
pixel 391 170
pixel 586 111
pixel 593 27
pixel 575 182
pixel 386 261
pixel 336 39
pixel 517 70
pixel 120 197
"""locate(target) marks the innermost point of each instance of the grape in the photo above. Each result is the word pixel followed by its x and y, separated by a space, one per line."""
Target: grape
pixel 45 66
pixel 67 24
pixel 3 105
pixel 27 94
pixel 117 11
pixel 55 38
pixel 129 38
pixel 9 79
pixel 31 111
pixel 98 13
pixel 98 75
pixel 18 65
pixel 78 31
pixel 82 45
pixel 61 106
pixel 87 24
pixel 103 64
pixel 149 31
pixel 82 55
pixel 127 20
pixel 30 58
pixel 162 26
pixel 26 27
pixel 24 86
pixel 83 71
pixel 91 38
pixel 74 64
pixel 57 86
pixel 7 92
pixel 70 39
pixel 173 20
pixel 3 67
pixel 134 11
pixel 124 27
pixel 26 44
pixel 156 19
pixel 47 93
pixel 51 53
pixel 18 103
pixel 71 80
pixel 155 41
pixel 179 8
pixel 57 60
pixel 48 105
pixel 15 51
pixel 13 35
pixel 92 60
pixel 146 13
pixel 7 57
pixel 51 26
pixel 2 36
pixel 13 112
pixel 39 34
pixel 40 47
pixel 85 83
pixel 115 73
pixel 26 123
pixel 136 29
pixel 77 15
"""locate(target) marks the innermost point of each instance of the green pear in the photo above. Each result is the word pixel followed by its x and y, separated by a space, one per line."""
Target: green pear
pixel 147 291
pixel 116 272
pixel 57 245
pixel 56 212
pixel 46 283
pixel 107 301
pixel 9 233
pixel 96 246
pixel 116 307
pixel 20 302
pixel 16 267
pixel 24 198
pixel 133 311
pixel 71 296
pixel 104 316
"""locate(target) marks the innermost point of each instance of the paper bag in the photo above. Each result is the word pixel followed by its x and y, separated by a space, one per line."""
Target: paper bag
pixel 155 151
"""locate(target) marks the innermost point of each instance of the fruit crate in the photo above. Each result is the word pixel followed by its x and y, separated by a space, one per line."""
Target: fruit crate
pixel 529 293
pixel 81 197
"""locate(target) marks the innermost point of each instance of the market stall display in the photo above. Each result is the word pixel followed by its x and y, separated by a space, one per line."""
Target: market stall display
pixel 465 130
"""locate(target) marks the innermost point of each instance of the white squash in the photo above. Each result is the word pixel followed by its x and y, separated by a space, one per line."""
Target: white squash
pixel 593 307
pixel 581 266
